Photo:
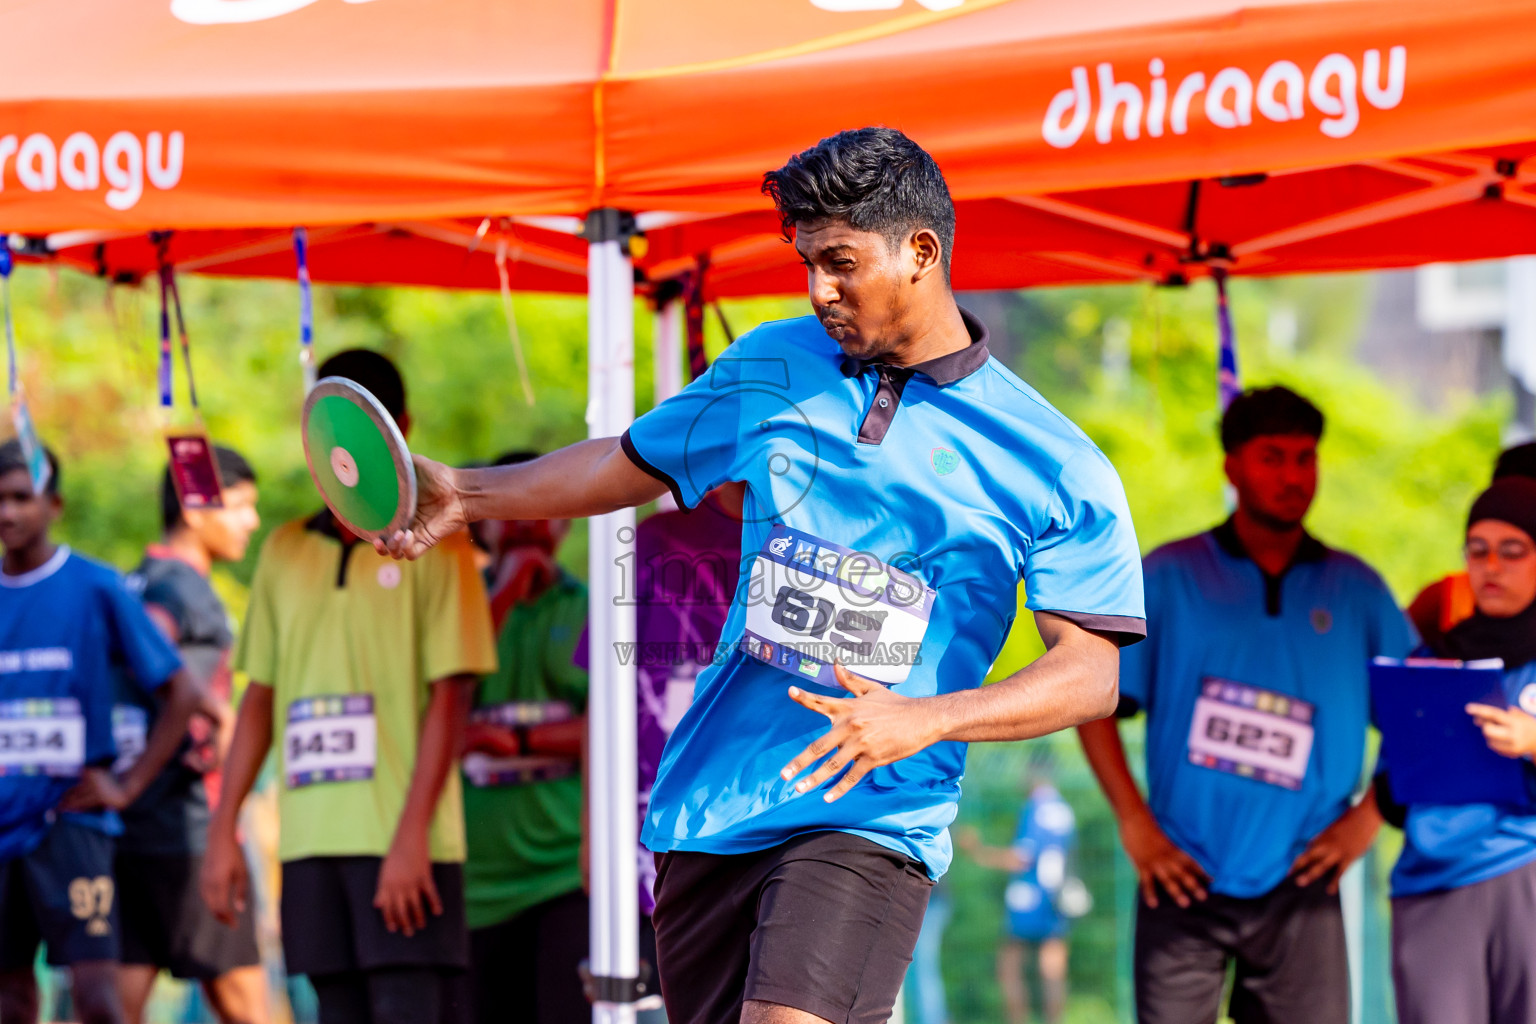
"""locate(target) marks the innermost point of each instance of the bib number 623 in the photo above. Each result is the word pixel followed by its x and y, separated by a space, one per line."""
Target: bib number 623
pixel 1249 736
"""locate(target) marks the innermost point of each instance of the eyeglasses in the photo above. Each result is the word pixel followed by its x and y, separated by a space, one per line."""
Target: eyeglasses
pixel 1508 551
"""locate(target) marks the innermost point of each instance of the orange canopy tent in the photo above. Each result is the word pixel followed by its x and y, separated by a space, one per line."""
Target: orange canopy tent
pixel 1391 133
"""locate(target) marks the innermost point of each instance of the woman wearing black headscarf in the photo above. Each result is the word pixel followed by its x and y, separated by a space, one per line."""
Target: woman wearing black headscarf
pixel 1464 889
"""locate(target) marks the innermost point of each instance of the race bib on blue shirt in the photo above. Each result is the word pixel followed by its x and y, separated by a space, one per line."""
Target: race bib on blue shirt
pixel 43 736
pixel 813 601
pixel 1258 734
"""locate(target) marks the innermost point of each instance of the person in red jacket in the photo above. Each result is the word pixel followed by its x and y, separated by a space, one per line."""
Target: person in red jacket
pixel 1449 600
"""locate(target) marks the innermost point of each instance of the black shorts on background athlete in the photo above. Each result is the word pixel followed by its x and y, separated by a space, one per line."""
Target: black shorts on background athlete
pixel 61 894
pixel 330 925
pixel 165 922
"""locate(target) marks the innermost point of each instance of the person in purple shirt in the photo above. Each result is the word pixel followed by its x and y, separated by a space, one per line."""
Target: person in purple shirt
pixel 686 565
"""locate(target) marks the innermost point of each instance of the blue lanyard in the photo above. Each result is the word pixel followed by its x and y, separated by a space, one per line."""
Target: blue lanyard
pixel 170 299
pixel 306 309
pixel 1228 384
pixel 13 381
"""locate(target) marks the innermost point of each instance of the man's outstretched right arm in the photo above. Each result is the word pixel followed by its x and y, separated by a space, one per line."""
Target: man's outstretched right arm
pixel 588 478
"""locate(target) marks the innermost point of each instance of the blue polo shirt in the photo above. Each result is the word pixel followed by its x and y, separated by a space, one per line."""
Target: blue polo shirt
pixel 67 630
pixel 1448 847
pixel 952 476
pixel 1257 699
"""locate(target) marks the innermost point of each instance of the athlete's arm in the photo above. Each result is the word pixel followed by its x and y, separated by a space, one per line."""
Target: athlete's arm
pixel 180 695
pixel 406 890
pixel 1074 681
pixel 225 881
pixel 1339 845
pixel 588 478
pixel 1156 859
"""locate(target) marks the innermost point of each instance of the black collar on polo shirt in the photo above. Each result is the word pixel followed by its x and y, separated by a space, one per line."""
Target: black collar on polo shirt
pixel 324 523
pixel 1310 549
pixel 943 370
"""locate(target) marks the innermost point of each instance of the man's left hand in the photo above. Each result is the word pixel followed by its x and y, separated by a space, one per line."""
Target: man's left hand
pixel 1339 845
pixel 874 727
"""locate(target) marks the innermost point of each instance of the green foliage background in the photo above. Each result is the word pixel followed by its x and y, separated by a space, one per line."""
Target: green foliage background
pixel 1396 478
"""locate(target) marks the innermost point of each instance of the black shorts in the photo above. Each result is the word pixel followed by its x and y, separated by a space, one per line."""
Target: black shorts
pixel 1287 950
pixel 824 923
pixel 165 922
pixel 536 954
pixel 330 924
pixel 61 894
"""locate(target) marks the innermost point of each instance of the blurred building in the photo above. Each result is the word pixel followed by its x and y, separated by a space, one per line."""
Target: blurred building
pixel 1453 329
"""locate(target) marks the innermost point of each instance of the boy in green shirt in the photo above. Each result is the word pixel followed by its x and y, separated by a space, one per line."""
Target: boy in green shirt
pixel 528 915
pixel 366 666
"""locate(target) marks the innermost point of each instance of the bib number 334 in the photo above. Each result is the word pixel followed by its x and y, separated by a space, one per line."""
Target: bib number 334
pixel 42 737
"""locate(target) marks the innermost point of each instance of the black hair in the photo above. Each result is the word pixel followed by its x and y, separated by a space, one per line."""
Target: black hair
pixel 1268 411
pixel 11 459
pixel 513 457
pixel 875 179
pixel 374 372
pixel 1517 461
pixel 233 469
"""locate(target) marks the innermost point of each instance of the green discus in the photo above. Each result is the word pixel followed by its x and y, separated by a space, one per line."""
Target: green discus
pixel 358 459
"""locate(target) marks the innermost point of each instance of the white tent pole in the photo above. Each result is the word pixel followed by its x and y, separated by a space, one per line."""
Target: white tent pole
pixel 668 353
pixel 611 746
pixel 669 350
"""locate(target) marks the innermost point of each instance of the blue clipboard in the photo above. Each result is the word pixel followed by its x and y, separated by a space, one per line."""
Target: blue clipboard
pixel 1433 751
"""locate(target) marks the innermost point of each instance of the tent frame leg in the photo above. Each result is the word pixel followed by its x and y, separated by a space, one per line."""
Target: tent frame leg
pixel 611 726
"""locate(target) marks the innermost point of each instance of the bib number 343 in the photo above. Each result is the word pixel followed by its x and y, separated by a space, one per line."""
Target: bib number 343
pixel 330 739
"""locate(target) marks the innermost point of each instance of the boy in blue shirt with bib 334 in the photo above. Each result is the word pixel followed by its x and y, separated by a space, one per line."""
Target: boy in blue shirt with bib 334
pixel 67 627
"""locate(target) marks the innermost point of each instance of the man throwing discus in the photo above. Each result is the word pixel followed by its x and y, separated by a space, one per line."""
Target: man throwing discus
pixel 899 483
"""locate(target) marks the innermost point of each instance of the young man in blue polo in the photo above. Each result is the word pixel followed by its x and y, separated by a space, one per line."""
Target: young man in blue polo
pixel 1253 680
pixel 899 483
pixel 68 626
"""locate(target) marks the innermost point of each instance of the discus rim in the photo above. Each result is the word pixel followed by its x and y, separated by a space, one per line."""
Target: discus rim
pixel 405 471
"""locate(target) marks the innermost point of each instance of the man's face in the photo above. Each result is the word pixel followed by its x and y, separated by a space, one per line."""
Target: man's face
pixel 1501 565
pixel 226 532
pixel 861 288
pixel 24 516
pixel 1275 476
